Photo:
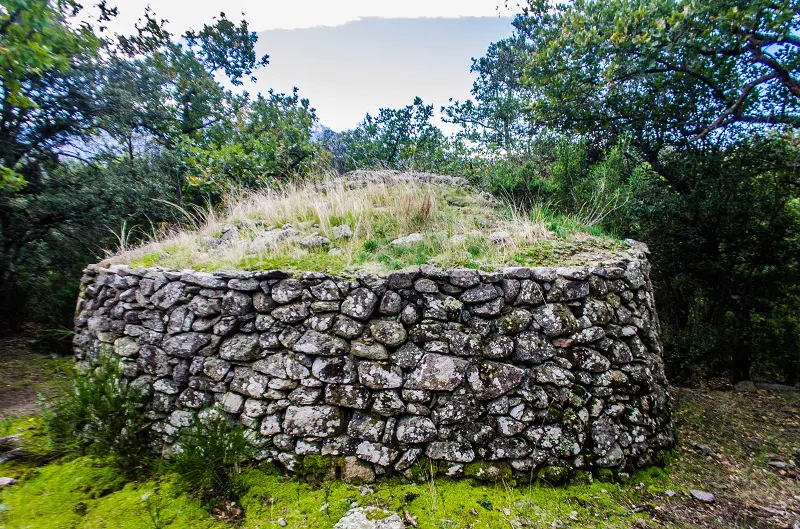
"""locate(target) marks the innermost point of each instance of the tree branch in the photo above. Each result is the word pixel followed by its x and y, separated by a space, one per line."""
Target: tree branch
pixel 733 110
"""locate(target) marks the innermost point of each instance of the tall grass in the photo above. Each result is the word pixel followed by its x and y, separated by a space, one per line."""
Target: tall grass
pixel 456 224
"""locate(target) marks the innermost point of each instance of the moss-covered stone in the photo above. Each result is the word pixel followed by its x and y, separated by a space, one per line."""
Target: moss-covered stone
pixel 555 475
pixel 605 475
pixel 581 477
pixel 315 467
pixel 490 472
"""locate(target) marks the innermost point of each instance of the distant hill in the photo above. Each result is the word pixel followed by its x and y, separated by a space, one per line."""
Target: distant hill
pixel 357 67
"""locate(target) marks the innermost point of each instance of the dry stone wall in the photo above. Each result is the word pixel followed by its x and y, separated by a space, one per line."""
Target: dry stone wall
pixel 522 369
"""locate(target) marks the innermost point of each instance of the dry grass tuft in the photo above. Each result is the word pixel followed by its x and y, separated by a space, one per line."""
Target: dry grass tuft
pixel 266 229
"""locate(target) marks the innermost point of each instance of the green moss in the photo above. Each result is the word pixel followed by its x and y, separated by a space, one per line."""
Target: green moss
pixel 377 514
pixel 581 477
pixel 315 467
pixel 85 493
pixel 605 475
pixel 555 474
pixel 489 472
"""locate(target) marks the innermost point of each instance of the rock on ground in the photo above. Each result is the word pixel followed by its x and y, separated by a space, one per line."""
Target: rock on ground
pixel 369 518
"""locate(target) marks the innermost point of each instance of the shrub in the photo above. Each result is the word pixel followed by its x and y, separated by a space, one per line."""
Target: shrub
pixel 212 452
pixel 102 414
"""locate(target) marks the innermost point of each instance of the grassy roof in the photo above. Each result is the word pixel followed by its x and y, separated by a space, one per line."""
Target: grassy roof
pixel 361 222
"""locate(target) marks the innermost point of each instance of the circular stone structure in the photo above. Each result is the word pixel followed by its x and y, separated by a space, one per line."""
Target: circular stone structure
pixel 521 370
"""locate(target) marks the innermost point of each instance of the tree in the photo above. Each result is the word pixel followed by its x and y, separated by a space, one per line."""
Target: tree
pixel 495 120
pixel 401 138
pixel 265 143
pixel 668 73
pixel 165 90
pixel 46 87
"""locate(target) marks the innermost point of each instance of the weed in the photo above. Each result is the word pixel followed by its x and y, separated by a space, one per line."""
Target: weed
pixel 103 414
pixel 212 452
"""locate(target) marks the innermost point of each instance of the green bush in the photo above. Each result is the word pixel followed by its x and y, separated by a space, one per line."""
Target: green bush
pixel 212 452
pixel 102 414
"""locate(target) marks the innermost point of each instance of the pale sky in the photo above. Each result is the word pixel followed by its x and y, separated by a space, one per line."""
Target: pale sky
pixel 283 14
pixel 352 57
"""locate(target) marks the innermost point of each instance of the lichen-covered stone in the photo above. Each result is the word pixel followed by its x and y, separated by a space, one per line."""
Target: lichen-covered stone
pixel 315 342
pixel 314 421
pixel 359 304
pixel 555 318
pixel 437 372
pixel 186 344
pixel 391 333
pixel 450 451
pixel 415 430
pixel 240 347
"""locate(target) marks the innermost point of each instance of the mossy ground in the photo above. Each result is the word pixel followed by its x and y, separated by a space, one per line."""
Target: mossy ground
pixel 456 224
pixel 728 444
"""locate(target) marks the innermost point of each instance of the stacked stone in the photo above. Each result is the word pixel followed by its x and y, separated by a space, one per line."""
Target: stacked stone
pixel 528 367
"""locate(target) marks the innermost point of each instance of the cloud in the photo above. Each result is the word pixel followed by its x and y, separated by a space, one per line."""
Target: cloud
pixel 271 14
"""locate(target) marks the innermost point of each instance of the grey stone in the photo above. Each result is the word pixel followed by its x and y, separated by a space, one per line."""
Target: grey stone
pixel 335 370
pixel 437 372
pixel 552 374
pixel 346 327
pixel 489 380
pixel 186 344
pixel 167 296
pixel 232 403
pixel 533 347
pixel 314 421
pixel 479 294
pixel 204 307
pixel 7 482
pixel 413 238
pixel 388 332
pixel 407 356
pixel 391 303
pixel 705 497
pixel 515 321
pixel 315 342
pixel 342 231
pixel 287 290
pixel 364 427
pixel 359 304
pixel 555 318
pixel 313 242
pixel 450 451
pixel 240 348
pixel 464 277
pixel 375 453
pixel 369 350
pixel 413 429
pixel 326 291
pixel 236 303
pixel 378 376
pixel 369 518
pixel 347 395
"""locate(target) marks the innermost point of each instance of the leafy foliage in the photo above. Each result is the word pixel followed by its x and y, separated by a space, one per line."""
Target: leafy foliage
pixel 401 138
pixel 213 451
pixel 103 415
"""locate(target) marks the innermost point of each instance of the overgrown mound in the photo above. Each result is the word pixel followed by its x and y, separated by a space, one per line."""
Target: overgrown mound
pixel 376 220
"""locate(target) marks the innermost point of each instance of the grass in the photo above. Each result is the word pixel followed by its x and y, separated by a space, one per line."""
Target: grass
pixel 455 222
